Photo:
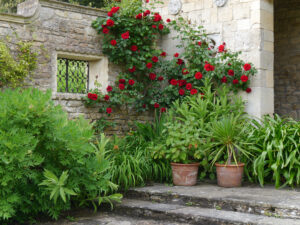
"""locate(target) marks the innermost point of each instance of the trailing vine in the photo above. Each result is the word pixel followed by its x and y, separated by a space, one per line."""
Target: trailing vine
pixel 152 78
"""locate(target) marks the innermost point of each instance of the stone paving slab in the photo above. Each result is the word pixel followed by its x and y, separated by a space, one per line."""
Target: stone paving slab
pixel 267 195
pixel 250 199
pixel 196 215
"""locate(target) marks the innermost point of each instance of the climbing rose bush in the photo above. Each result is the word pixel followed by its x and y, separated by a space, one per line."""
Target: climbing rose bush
pixel 153 79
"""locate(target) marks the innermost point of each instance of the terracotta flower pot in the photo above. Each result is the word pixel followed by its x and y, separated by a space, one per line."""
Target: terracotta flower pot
pixel 185 174
pixel 230 175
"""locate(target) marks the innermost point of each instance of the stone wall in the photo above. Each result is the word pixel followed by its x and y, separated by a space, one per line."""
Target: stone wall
pixel 287 57
pixel 62 30
pixel 245 25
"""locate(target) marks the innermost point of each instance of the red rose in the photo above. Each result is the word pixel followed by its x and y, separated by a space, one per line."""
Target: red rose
pixel 144 106
pixel 149 65
pixel 106 97
pixel 194 91
pixel 173 82
pixel 247 67
pixel 147 1
pixel 105 30
pixel 160 78
pixel 139 16
pixel 248 90
pixel 108 110
pixel 176 55
pixel 152 76
pixel 179 61
pixel 154 59
pixel 110 14
pixel 181 91
pixel 162 110
pixel 168 20
pixel 230 72
pixel 110 23
pixel 132 69
pixel 113 42
pixel 131 82
pixel 109 88
pixel 244 78
pixel 198 75
pixel 221 48
pixel 188 86
pixel 156 17
pixel 146 13
pixel 160 27
pixel 163 54
pixel 92 96
pixel 224 79
pixel 199 43
pixel 185 71
pixel 181 83
pixel 121 86
pixel 125 35
pixel 115 9
pixel 235 81
pixel 156 105
pixel 122 81
pixel 154 26
pixel 134 48
pixel 209 67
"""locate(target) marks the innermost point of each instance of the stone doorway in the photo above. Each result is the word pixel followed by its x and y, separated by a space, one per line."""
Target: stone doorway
pixel 287 57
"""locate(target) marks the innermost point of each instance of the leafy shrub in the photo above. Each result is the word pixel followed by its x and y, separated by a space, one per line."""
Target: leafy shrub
pixel 47 164
pixel 188 118
pixel 13 72
pixel 276 142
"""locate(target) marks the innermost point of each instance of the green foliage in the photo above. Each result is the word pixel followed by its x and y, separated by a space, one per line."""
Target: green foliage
pixel 183 137
pixel 14 71
pixel 226 137
pixel 276 142
pixel 131 163
pixel 57 186
pixel 45 159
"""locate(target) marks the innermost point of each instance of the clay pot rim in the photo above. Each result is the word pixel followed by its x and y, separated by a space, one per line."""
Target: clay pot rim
pixel 182 164
pixel 231 165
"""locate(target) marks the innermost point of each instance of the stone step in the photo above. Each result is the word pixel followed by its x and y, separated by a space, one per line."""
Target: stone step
pixel 254 200
pixel 194 215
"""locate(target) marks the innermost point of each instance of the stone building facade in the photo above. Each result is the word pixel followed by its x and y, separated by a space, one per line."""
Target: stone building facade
pixel 63 30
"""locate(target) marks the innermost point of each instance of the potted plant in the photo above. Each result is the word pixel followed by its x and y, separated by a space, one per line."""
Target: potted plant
pixel 179 147
pixel 225 140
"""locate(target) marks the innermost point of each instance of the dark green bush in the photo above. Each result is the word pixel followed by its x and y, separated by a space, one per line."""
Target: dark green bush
pixel 47 164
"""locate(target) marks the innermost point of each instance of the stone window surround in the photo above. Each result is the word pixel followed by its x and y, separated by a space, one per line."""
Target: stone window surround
pixel 98 70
